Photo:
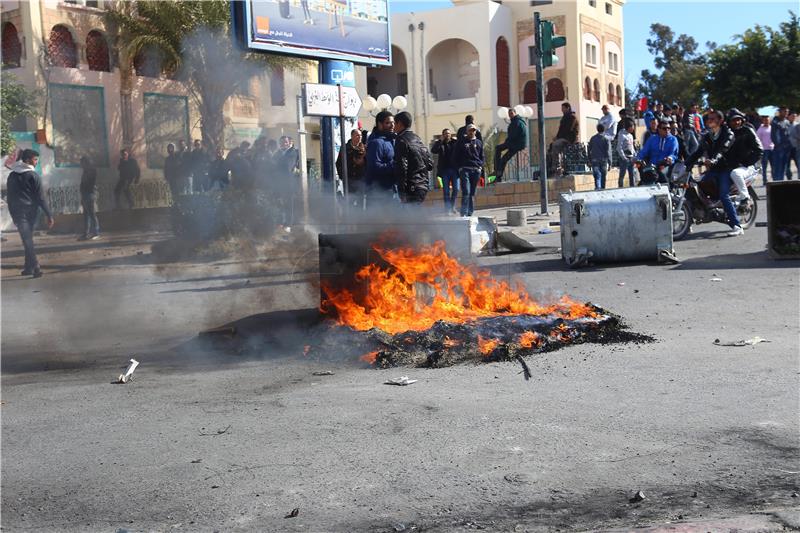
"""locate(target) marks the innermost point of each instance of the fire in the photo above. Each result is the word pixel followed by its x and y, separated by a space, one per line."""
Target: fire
pixel 561 332
pixel 529 339
pixel 487 346
pixel 393 299
pixel 451 343
pixel 369 357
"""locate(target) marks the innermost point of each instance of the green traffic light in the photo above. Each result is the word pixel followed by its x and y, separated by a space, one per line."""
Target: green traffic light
pixel 549 43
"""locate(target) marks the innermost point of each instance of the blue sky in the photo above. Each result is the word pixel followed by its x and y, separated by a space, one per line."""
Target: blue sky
pixel 711 20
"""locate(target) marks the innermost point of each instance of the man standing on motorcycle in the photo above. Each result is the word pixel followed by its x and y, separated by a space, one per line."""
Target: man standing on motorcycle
pixel 661 151
pixel 745 152
pixel 714 146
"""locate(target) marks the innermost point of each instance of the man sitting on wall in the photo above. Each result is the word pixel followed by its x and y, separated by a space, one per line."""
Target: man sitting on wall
pixel 567 135
pixel 515 142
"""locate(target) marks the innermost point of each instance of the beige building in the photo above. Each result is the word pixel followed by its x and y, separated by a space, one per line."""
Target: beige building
pixel 476 56
pixel 64 50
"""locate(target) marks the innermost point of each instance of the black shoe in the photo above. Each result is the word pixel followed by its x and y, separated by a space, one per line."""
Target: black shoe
pixel 26 272
pixel 83 238
pixel 37 273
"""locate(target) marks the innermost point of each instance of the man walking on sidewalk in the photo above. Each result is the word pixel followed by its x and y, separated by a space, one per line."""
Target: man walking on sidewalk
pixel 128 175
pixel 600 157
pixel 446 168
pixel 25 197
pixel 514 143
pixel 91 226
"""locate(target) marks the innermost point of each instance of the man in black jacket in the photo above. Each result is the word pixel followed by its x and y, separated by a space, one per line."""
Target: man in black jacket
pixel 566 136
pixel 446 168
pixel 515 142
pixel 745 152
pixel 461 134
pixel 412 162
pixel 715 144
pixel 469 158
pixel 25 197
pixel 128 175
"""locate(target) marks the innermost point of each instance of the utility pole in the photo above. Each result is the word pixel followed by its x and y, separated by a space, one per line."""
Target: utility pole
pixel 540 113
pixel 546 44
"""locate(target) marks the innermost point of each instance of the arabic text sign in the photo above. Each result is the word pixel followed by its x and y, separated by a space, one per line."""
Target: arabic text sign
pixel 323 100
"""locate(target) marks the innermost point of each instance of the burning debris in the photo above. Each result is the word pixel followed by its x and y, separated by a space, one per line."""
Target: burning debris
pixel 421 307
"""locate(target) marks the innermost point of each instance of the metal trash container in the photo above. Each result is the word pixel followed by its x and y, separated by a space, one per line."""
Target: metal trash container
pixel 616 225
pixel 783 219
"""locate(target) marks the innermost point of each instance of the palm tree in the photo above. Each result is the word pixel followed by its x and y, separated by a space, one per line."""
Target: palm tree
pixel 193 41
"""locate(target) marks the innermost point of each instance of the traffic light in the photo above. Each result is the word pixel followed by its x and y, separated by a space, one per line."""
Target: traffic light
pixel 549 43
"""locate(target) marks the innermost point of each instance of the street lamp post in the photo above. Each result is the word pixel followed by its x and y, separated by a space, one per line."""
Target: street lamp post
pixel 375 105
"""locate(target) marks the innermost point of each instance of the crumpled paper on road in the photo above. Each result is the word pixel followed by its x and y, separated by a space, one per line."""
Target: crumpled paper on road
pixel 744 342
pixel 402 381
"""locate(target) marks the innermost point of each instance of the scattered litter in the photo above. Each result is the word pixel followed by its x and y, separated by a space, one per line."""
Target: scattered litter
pixel 545 231
pixel 694 494
pixel 288 229
pixel 323 373
pixel 715 279
pixel 638 497
pixel 762 224
pixel 744 342
pixel 223 330
pixel 526 371
pixel 636 291
pixel 195 461
pixel 402 381
pixel 214 486
pixel 399 527
pixel 293 514
pixel 621 284
pixel 218 432
pixel 124 378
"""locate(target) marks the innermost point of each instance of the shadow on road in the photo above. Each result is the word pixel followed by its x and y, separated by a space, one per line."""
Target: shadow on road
pixel 735 261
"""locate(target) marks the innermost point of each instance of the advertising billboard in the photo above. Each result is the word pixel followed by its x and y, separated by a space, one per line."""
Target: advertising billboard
pixel 349 30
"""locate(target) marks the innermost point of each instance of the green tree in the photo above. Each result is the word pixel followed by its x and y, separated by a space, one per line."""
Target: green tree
pixel 193 42
pixel 16 101
pixel 762 67
pixel 681 70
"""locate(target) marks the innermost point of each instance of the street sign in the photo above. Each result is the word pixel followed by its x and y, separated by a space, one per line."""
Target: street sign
pixel 322 100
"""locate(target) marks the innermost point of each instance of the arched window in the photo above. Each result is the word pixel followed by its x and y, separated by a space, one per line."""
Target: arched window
pixel 619 96
pixel 97 52
pixel 12 48
pixel 147 63
pixel 530 93
pixel 61 48
pixel 596 94
pixel 611 95
pixel 555 90
pixel 503 59
pixel 587 88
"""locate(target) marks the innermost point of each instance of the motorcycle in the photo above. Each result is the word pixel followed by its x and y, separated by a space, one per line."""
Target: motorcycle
pixel 693 201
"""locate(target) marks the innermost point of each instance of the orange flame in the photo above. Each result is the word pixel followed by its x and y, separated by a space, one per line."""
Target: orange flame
pixel 369 357
pixel 456 293
pixel 529 339
pixel 451 343
pixel 487 346
pixel 561 332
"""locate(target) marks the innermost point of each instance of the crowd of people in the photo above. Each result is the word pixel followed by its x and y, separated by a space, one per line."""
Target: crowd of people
pixel 732 147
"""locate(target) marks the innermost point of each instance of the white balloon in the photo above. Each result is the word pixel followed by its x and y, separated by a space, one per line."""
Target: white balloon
pixel 399 103
pixel 502 113
pixel 528 111
pixel 519 109
pixel 384 101
pixel 369 104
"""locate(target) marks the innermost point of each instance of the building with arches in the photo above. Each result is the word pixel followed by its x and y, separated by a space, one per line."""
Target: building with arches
pixel 477 55
pixel 64 50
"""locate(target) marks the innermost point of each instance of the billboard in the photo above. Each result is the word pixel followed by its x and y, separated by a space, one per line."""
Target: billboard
pixel 349 30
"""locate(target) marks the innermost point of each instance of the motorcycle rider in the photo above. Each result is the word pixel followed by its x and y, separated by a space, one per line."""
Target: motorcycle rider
pixel 661 151
pixel 745 152
pixel 714 145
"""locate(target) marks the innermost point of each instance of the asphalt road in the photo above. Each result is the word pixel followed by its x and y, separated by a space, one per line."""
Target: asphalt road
pixel 204 441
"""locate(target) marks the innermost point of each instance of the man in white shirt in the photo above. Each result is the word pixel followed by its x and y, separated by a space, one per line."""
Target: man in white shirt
pixel 609 124
pixel 626 153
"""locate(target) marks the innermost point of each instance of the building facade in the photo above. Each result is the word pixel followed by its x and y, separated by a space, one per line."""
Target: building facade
pixel 477 56
pixel 65 51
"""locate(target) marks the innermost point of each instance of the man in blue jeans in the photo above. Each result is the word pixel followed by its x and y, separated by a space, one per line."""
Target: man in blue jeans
pixel 600 157
pixel 25 196
pixel 469 159
pixel 782 144
pixel 446 168
pixel 714 146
